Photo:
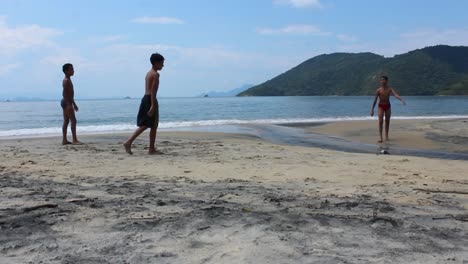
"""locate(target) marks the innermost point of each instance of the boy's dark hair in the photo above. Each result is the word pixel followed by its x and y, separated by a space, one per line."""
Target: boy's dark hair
pixel 156 57
pixel 384 77
pixel 66 67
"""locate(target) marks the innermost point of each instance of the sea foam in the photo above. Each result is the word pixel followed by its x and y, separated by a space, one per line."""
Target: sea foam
pixel 123 127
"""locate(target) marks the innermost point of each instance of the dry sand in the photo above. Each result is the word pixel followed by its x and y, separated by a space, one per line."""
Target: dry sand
pixel 226 198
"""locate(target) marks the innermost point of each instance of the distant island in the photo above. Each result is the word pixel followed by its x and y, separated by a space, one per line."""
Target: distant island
pixel 232 92
pixel 24 99
pixel 438 70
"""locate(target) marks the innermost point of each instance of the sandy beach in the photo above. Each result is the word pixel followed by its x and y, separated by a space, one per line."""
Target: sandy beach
pixel 232 198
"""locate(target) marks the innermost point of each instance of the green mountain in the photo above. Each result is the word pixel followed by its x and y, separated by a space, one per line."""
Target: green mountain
pixel 438 70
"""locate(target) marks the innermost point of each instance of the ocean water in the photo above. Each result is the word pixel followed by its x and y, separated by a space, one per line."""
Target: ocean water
pixel 95 116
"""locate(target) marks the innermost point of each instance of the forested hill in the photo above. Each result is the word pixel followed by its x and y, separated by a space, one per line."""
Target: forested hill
pixel 438 70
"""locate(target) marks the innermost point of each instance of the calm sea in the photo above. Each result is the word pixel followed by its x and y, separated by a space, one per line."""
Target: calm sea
pixel 95 116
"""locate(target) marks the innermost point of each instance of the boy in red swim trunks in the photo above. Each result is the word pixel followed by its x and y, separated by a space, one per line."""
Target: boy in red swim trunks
pixel 384 93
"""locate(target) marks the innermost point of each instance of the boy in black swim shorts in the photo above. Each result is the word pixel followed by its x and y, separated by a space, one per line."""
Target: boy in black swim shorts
pixel 148 114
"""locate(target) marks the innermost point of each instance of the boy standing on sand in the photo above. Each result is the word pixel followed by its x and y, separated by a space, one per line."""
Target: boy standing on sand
pixel 384 93
pixel 68 104
pixel 148 115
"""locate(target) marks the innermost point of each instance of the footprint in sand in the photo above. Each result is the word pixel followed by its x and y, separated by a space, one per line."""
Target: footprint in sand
pixel 32 162
pixel 72 148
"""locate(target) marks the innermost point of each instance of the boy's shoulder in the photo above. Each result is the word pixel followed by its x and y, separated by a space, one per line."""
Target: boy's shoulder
pixel 385 89
pixel 153 73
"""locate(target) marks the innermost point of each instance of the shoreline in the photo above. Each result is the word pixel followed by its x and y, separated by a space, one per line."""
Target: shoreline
pixel 437 138
pixel 187 125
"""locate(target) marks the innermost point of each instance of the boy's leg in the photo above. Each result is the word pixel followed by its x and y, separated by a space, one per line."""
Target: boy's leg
pixel 73 126
pixel 153 132
pixel 128 144
pixel 388 113
pixel 152 148
pixel 66 120
pixel 381 114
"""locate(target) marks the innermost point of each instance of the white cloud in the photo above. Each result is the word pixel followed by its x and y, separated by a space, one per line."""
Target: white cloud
pixel 105 39
pixel 157 20
pixel 293 30
pixel 345 37
pixel 188 69
pixel 61 55
pixel 300 3
pixel 14 39
pixel 202 57
pixel 431 37
pixel 410 41
pixel 60 59
pixel 5 69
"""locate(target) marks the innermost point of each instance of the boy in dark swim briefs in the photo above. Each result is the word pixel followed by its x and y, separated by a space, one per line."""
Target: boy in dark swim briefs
pixel 148 114
pixel 383 94
pixel 68 104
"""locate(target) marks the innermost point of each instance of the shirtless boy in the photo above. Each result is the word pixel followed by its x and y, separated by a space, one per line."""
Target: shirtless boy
pixel 383 94
pixel 68 104
pixel 148 115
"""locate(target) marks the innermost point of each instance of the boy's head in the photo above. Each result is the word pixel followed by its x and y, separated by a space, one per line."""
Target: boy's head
pixel 67 68
pixel 383 80
pixel 157 60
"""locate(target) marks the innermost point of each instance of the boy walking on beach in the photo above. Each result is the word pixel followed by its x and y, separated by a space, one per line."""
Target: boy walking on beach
pixel 384 93
pixel 68 104
pixel 148 114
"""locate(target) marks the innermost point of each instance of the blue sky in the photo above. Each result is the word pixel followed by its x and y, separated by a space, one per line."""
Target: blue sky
pixel 208 45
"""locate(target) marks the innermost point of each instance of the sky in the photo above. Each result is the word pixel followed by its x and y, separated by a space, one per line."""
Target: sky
pixel 208 45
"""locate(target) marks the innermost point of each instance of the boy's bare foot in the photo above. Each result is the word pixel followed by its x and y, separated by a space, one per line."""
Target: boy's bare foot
pixel 128 148
pixel 155 152
pixel 380 141
pixel 76 142
pixel 66 142
pixel 387 139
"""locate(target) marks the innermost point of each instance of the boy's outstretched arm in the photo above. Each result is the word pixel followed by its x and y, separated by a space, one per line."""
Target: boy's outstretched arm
pixel 375 102
pixel 398 96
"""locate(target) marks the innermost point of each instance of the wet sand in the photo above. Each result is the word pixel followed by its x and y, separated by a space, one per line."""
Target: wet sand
pixel 449 135
pixel 226 198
